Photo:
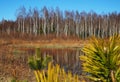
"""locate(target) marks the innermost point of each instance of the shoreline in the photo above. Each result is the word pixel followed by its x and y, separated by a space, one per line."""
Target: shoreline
pixel 55 43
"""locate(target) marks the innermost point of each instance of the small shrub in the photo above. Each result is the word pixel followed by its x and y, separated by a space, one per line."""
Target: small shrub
pixel 38 63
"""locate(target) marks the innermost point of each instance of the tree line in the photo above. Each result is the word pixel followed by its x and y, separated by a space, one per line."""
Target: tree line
pixel 47 21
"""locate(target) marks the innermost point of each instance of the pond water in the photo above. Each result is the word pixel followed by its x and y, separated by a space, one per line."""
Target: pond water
pixel 66 58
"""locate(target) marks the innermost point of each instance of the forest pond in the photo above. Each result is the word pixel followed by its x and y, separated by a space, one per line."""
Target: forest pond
pixel 16 60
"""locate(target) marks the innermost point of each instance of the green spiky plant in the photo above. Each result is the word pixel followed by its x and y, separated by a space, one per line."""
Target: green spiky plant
pixel 101 61
pixel 38 63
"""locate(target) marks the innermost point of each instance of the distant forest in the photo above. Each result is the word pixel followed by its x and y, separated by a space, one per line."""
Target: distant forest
pixel 57 23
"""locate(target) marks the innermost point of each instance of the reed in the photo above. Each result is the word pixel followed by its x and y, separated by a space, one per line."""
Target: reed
pixel 57 74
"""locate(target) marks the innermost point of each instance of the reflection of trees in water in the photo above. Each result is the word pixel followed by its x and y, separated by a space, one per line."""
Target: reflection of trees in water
pixel 17 60
pixel 66 58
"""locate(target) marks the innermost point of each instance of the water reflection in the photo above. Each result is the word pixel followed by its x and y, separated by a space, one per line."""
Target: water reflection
pixel 66 58
pixel 17 60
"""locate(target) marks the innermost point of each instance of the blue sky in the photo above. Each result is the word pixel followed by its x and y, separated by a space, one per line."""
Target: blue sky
pixel 8 7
